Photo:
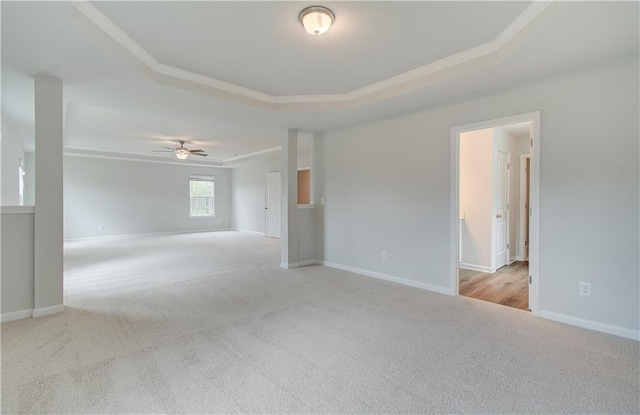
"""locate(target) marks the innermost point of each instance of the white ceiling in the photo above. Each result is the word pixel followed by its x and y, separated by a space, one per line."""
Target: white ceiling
pixel 262 46
pixel 113 105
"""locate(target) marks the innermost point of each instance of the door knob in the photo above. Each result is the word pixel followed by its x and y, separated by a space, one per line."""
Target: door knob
pixel 498 216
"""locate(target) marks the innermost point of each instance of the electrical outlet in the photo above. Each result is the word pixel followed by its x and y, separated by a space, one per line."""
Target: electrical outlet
pixel 383 255
pixel 585 289
pixel 100 227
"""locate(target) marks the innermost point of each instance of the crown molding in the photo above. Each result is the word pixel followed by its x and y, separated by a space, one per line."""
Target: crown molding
pixel 83 152
pixel 254 154
pixel 447 68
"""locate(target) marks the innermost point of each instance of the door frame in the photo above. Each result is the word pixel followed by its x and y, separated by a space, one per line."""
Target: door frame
pixel 534 192
pixel 520 256
pixel 494 205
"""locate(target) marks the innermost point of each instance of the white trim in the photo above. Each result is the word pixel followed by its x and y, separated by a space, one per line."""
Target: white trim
pixel 591 325
pixel 256 153
pixel 392 278
pixel 481 268
pixel 134 235
pixel 11 210
pixel 447 68
pixel 300 264
pixel 309 206
pixel 45 311
pixel 309 262
pixel 17 315
pixel 522 214
pixel 83 152
pixel 247 231
pixel 454 220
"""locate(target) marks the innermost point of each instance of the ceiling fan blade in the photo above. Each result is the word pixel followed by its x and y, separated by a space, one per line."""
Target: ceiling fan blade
pixel 196 151
pixel 169 148
pixel 199 154
pixel 161 151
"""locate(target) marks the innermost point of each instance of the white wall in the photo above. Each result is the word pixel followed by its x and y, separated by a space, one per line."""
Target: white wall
pixel 129 197
pixel 476 198
pixel 248 181
pixel 30 179
pixel 11 154
pixel 17 269
pixel 387 187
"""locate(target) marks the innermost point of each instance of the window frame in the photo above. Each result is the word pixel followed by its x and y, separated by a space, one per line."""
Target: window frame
pixel 202 178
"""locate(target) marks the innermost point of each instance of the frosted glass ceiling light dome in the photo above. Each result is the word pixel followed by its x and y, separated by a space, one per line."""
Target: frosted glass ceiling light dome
pixel 182 153
pixel 316 19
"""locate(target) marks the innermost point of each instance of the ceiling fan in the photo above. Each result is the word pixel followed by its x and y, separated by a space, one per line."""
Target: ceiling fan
pixel 182 152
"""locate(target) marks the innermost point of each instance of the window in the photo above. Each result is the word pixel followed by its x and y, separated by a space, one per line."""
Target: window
pixel 201 191
pixel 20 182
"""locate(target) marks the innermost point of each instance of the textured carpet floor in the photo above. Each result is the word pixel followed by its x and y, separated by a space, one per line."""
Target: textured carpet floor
pixel 205 323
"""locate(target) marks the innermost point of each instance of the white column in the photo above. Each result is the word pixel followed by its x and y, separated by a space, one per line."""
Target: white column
pixel 48 246
pixel 289 257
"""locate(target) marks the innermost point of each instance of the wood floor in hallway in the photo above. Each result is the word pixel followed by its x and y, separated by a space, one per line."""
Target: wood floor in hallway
pixel 507 286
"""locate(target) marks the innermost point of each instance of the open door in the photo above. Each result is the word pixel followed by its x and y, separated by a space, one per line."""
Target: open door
pixel 501 209
pixel 273 189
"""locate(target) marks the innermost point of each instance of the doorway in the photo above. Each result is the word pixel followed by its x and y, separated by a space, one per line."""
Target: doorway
pixel 272 197
pixel 494 211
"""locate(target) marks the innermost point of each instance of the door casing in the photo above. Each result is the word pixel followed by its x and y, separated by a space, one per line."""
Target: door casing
pixel 534 192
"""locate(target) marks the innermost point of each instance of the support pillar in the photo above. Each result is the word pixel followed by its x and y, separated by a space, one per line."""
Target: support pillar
pixel 289 257
pixel 48 229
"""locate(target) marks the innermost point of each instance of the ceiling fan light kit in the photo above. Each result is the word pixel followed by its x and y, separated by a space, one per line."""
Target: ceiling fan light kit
pixel 316 20
pixel 182 152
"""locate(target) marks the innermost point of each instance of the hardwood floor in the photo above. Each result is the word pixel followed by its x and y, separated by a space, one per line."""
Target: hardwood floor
pixel 507 286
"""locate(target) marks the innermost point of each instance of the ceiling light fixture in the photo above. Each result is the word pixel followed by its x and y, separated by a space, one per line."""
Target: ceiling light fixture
pixel 316 19
pixel 182 153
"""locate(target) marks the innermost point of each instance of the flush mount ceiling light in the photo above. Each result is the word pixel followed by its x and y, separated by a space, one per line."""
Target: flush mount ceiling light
pixel 316 19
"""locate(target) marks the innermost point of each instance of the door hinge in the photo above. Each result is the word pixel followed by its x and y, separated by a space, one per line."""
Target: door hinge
pixel 532 142
pixel 508 166
pixel 508 246
pixel 507 206
pixel 530 280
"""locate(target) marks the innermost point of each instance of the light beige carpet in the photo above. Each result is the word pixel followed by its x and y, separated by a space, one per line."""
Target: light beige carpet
pixel 205 323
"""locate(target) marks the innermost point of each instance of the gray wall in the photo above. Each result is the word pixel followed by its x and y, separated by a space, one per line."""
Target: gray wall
pixel 30 179
pixel 248 181
pixel 17 262
pixel 11 153
pixel 395 196
pixel 128 197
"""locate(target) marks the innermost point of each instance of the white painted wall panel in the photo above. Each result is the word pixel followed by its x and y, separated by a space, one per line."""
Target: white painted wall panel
pixel 11 154
pixel 387 187
pixel 17 262
pixel 128 197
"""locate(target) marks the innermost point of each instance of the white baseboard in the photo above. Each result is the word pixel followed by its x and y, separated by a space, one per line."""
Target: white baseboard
pixel 473 267
pixel 512 260
pixel 247 231
pixel 300 264
pixel 591 325
pixel 45 311
pixel 309 262
pixel 135 235
pixel 17 315
pixel 404 281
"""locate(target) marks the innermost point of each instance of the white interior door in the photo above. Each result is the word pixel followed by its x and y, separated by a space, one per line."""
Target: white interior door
pixel 501 208
pixel 272 199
